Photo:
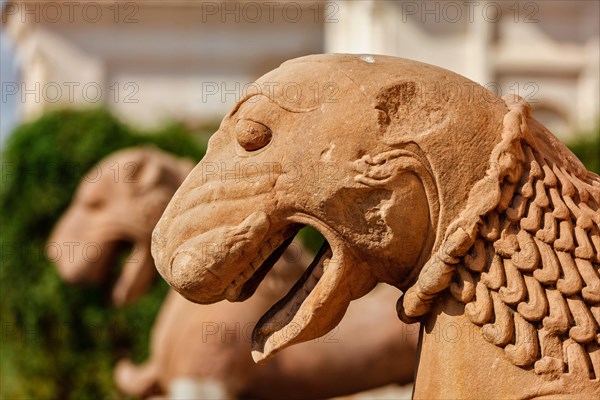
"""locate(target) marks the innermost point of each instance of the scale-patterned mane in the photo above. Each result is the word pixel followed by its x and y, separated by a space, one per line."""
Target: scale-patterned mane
pixel 524 255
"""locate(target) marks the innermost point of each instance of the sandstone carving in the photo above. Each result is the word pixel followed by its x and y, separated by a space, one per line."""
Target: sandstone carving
pixel 418 178
pixel 209 346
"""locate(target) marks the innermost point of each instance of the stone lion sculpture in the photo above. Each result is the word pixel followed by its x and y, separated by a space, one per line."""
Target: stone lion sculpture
pixel 204 351
pixel 118 202
pixel 419 178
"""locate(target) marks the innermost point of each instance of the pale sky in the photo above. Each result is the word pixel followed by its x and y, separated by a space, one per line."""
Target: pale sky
pixel 8 73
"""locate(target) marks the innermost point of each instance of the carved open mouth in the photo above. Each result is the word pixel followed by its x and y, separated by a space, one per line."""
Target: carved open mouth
pixel 245 283
pixel 92 267
pixel 229 262
pixel 280 324
pixel 290 320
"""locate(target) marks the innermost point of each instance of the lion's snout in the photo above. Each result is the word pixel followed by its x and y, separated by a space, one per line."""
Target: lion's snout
pixel 202 267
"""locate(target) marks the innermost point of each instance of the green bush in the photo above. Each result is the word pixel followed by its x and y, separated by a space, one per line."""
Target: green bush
pixel 587 148
pixel 59 341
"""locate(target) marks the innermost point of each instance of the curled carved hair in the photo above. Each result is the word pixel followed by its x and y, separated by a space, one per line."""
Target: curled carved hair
pixel 524 254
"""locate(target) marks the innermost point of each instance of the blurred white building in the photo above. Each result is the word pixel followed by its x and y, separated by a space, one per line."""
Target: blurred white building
pixel 150 61
pixel 546 51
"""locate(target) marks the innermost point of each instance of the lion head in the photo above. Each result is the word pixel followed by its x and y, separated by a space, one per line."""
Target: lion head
pixel 118 202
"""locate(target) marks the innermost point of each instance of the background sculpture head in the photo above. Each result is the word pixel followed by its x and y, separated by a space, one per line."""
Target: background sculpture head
pixel 377 153
pixel 117 203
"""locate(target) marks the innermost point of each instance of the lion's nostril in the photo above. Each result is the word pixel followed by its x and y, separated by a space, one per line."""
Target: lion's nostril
pixel 181 261
pixel 188 271
pixel 180 265
pixel 252 135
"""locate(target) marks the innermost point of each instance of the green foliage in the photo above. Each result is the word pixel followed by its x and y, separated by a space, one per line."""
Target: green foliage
pixel 59 341
pixel 587 149
pixel 311 238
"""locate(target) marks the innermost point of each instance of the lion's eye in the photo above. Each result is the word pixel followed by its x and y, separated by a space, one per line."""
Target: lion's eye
pixel 252 135
pixel 94 203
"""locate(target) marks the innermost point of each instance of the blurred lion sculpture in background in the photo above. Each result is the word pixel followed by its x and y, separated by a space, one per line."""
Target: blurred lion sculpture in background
pixel 207 348
pixel 118 202
pixel 434 185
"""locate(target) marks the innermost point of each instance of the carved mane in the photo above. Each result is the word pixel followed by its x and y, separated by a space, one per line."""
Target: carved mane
pixel 524 254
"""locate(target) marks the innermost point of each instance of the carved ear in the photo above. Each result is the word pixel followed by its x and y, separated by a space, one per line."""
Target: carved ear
pixel 407 110
pixel 383 169
pixel 150 173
